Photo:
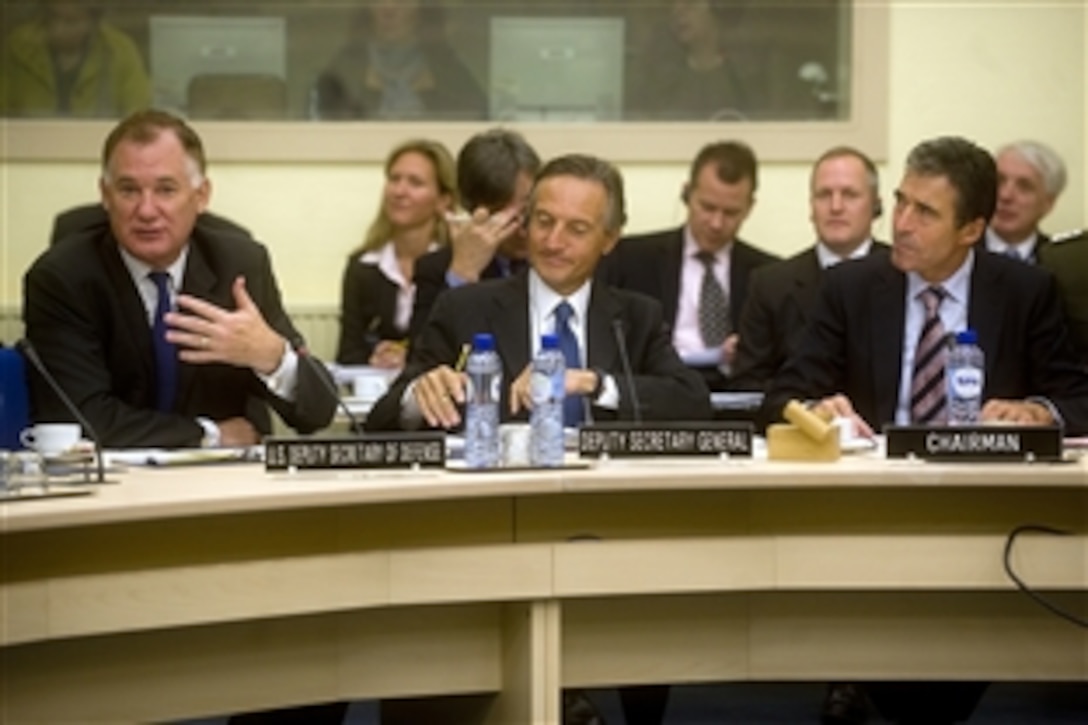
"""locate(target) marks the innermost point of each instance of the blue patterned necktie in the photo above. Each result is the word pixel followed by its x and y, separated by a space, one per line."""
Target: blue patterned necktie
pixel 166 355
pixel 573 408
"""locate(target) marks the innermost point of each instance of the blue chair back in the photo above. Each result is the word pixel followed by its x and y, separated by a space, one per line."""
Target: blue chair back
pixel 14 398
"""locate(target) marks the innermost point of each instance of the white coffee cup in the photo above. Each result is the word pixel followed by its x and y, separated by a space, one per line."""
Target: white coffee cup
pixel 515 439
pixel 51 439
pixel 369 386
pixel 848 430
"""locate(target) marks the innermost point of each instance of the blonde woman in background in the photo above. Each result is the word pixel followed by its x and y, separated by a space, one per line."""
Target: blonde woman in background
pixel 378 291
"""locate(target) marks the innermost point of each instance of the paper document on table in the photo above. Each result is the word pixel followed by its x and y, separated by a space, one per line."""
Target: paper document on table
pixel 455 444
pixel 181 456
pixel 707 358
pixel 736 400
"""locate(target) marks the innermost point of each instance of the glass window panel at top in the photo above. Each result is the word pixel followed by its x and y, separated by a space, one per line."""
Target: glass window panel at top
pixel 433 60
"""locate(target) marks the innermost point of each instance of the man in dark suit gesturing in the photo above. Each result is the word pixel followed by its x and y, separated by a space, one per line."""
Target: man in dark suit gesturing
pixel 161 330
pixel 844 200
pixel 575 214
pixel 700 271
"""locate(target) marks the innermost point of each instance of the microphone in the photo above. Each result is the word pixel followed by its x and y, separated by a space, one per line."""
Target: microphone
pixel 27 349
pixel 299 346
pixel 628 375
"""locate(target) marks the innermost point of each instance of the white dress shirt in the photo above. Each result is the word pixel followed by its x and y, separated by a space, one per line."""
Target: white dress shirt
pixel 828 258
pixel 686 337
pixel 1023 251
pixel 385 259
pixel 953 312
pixel 542 303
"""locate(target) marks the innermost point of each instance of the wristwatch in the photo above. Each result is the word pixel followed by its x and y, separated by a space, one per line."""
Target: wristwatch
pixel 599 387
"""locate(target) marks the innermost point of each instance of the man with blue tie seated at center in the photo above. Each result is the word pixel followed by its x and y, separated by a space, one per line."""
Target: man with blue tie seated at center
pixel 874 349
pixel 575 215
pixel 161 331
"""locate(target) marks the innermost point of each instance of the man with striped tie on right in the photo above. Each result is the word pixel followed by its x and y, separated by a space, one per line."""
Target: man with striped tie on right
pixel 878 317
pixel 874 351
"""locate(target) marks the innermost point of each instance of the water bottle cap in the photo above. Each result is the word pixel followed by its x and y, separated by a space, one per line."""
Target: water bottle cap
pixel 483 341
pixel 967 337
pixel 549 342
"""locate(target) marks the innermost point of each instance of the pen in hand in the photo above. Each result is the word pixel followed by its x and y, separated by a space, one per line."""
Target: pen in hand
pixel 371 336
pixel 462 358
pixel 440 390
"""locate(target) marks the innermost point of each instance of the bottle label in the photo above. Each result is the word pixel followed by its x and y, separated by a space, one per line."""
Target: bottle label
pixel 966 382
pixel 496 388
pixel 540 387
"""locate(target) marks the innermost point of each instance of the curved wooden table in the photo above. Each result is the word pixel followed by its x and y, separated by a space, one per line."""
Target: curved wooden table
pixel 194 591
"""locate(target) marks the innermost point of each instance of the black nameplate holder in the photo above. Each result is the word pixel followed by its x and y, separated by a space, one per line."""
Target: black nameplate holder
pixel 374 450
pixel 1009 443
pixel 630 440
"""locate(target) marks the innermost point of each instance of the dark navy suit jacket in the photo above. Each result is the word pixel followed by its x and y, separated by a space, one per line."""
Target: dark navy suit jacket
pixel 854 344
pixel 665 388
pixel 86 318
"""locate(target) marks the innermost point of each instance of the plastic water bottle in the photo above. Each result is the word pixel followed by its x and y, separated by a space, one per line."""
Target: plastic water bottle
pixel 965 374
pixel 547 388
pixel 482 442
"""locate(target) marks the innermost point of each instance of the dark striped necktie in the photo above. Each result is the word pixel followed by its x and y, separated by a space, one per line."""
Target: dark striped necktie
pixel 928 401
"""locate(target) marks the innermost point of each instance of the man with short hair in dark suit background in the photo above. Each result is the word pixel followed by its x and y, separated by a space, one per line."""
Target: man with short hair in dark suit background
pixel 844 202
pixel 700 271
